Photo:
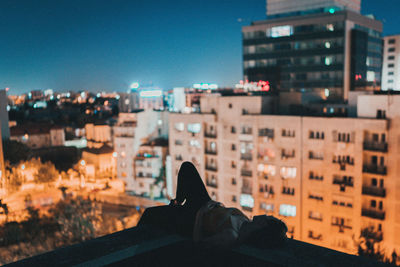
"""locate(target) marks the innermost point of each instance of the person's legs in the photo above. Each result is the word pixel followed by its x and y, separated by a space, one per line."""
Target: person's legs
pixel 172 219
pixel 190 187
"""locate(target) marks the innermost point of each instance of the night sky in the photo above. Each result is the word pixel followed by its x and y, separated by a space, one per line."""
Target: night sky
pixel 108 44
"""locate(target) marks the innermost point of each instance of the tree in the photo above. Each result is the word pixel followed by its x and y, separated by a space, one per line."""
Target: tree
pixel 369 244
pixel 78 219
pixel 46 173
pixel 15 151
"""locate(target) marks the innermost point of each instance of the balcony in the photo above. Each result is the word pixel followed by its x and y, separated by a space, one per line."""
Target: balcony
pixel 374 169
pixel 245 172
pixel 266 133
pixel 144 175
pixel 210 134
pixel 210 151
pixel 246 156
pixel 211 184
pixel 373 213
pixel 211 168
pixel 342 227
pixel 376 146
pixel 341 181
pixel 148 246
pixel 374 191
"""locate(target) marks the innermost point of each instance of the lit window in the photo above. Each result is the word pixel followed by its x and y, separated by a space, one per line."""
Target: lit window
pixel 123 154
pixel 327 45
pixel 288 172
pixel 194 143
pixel 194 127
pixel 330 27
pixel 280 31
pixel 287 210
pixel 246 201
pixel 180 126
pixel 328 60
pixel 370 76
pixel 267 169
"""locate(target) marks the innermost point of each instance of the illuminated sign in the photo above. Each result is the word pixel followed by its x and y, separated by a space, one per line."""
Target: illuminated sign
pixel 280 31
pixel 135 85
pixel 254 86
pixel 151 93
pixel 205 86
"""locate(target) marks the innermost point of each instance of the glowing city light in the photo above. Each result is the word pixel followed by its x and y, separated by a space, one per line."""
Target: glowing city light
pixel 135 85
pixel 205 86
pixel 150 93
pixel 82 162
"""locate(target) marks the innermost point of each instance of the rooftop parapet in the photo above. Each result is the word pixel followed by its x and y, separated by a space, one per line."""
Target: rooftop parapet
pixel 141 246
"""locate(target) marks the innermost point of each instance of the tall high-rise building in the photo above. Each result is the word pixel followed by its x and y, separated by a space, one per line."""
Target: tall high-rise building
pixel 5 129
pixel 327 178
pixel 298 7
pixel 391 63
pixel 328 53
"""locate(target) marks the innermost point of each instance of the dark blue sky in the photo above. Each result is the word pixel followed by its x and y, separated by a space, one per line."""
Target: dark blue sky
pixel 108 44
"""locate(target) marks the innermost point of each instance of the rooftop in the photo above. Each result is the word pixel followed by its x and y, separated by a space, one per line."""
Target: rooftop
pixel 142 246
pixel 33 129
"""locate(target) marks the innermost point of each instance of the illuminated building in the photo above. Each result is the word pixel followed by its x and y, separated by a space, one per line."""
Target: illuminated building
pixel 38 135
pixel 327 178
pixel 149 166
pixel 100 160
pixel 151 99
pixel 5 130
pixel 131 130
pixel 391 63
pixel 327 53
pixel 98 134
pixel 288 7
pixel 128 101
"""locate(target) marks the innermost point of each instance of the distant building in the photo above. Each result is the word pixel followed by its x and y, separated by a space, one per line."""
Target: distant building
pixel 150 168
pixel 132 130
pixel 128 102
pixel 101 160
pixel 178 101
pixel 279 8
pixel 328 53
pixel 2 167
pixel 5 130
pixel 391 63
pixel 98 134
pixel 38 135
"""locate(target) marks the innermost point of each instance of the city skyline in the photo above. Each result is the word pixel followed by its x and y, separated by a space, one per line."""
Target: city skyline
pixel 75 46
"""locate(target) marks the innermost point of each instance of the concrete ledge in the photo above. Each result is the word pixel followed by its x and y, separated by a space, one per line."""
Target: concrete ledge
pixel 142 246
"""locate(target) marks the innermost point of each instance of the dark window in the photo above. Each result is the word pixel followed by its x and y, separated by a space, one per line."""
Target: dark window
pixel 391 49
pixel 390 65
pixel 233 147
pixel 230 105
pixel 380 205
pixel 391 73
pixel 233 181
pixel 390 57
pixel 373 203
pixel 374 182
pixel 392 41
pixel 233 129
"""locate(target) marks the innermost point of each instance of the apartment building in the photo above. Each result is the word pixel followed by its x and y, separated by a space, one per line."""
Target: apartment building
pixel 327 178
pixel 391 63
pixel 132 130
pixel 150 168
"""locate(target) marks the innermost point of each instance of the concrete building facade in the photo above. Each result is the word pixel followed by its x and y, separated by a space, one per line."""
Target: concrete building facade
pixel 328 54
pixel 327 178
pixel 150 168
pixel 391 63
pixel 132 130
